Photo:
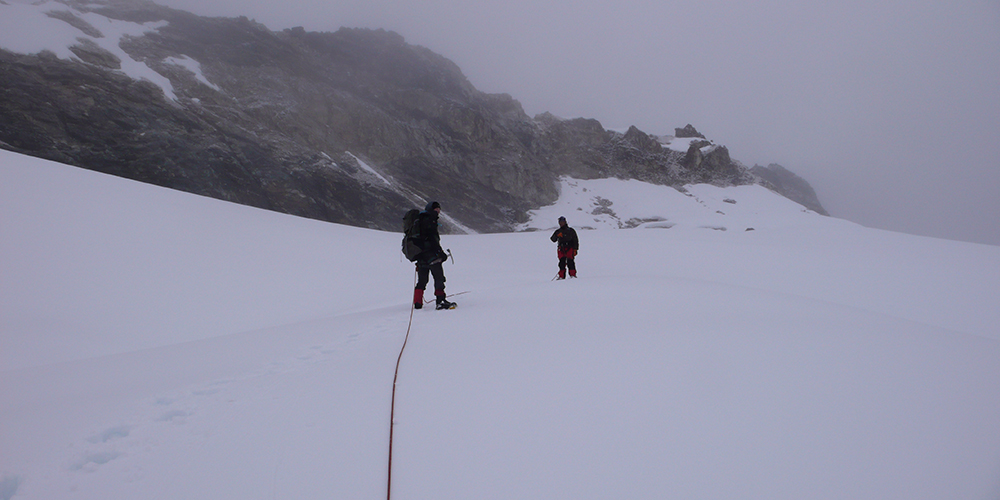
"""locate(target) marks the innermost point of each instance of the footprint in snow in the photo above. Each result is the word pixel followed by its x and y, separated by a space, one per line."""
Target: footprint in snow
pixel 113 433
pixel 171 416
pixel 324 350
pixel 91 461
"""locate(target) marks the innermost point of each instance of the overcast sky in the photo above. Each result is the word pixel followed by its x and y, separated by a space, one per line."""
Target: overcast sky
pixel 890 109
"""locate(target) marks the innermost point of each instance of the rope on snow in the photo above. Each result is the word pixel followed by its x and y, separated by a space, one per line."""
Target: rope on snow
pixel 392 411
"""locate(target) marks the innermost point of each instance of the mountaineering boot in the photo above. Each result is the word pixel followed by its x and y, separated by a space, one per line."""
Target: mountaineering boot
pixel 418 298
pixel 442 303
pixel 572 273
pixel 562 274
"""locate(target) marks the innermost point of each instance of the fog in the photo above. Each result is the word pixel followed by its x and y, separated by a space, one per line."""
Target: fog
pixel 891 110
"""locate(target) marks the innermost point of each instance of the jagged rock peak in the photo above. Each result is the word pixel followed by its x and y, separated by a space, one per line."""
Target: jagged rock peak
pixel 687 131
pixel 641 140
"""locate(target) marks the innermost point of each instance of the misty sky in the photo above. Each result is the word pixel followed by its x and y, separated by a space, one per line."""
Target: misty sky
pixel 891 109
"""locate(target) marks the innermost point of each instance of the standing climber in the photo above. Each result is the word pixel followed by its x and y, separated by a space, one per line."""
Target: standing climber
pixel 432 256
pixel 567 248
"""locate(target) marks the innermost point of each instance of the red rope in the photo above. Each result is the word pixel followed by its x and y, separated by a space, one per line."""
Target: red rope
pixel 392 411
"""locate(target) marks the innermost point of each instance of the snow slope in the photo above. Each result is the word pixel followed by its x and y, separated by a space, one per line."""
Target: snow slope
pixel 158 344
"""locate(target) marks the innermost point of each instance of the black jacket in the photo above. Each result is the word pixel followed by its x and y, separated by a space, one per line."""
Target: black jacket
pixel 429 236
pixel 429 239
pixel 566 236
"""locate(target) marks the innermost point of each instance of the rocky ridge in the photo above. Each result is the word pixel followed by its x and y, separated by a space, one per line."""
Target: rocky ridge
pixel 351 127
pixel 789 185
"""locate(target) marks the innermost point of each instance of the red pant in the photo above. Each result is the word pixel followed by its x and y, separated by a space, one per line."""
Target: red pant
pixel 566 261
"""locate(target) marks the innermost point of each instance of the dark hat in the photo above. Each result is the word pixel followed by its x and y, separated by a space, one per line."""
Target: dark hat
pixel 432 205
pixel 562 218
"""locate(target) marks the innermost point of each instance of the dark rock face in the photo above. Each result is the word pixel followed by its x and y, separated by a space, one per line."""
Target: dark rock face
pixel 687 131
pixel 713 165
pixel 789 185
pixel 351 127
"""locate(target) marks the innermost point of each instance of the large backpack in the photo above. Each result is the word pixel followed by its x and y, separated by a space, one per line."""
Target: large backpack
pixel 411 232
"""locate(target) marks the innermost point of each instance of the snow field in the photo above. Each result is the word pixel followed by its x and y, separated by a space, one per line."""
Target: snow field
pixel 163 345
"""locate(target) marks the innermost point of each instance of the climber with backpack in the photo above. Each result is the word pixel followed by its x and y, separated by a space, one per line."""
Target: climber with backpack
pixel 422 246
pixel 567 248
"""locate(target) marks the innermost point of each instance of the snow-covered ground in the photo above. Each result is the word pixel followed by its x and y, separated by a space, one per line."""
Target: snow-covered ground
pixel 157 344
pixel 618 204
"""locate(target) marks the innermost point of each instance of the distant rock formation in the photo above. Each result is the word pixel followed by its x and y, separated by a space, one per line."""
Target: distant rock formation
pixel 714 165
pixel 687 132
pixel 352 127
pixel 789 185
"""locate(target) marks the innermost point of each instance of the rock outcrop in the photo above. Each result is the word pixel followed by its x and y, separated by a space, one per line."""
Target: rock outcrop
pixel 789 185
pixel 687 131
pixel 353 126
